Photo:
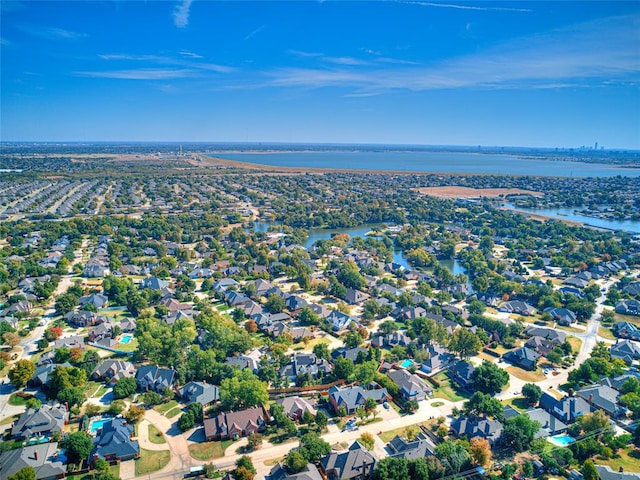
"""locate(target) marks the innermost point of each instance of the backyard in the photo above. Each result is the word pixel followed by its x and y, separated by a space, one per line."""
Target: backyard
pixel 447 390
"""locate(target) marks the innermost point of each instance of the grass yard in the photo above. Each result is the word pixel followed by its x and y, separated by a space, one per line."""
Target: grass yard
pixel 132 346
pixel 119 312
pixel 92 388
pixel 448 391
pixel 151 461
pixel 627 318
pixel 155 435
pixel 208 450
pixel 18 400
pixel 8 420
pixel 519 403
pixel 606 332
pixel 629 459
pixel 526 375
pixel 437 404
pixel 273 461
pixel 575 342
pixel 165 407
pixel 173 412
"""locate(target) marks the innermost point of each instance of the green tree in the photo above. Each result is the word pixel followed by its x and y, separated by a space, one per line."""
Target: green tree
pixel 489 378
pixel 481 404
pixel 519 432
pixel 25 473
pixel 589 471
pixel 367 440
pixel 321 420
pixel 78 445
pixel 532 392
pixel 465 343
pixel 275 303
pixel 22 372
pixel 125 387
pixel 243 390
pixel 294 462
pixel 313 448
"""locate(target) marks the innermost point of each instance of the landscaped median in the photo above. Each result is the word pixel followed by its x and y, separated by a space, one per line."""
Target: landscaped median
pixel 151 461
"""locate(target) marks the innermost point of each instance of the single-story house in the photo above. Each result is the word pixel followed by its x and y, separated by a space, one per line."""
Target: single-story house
pixel 523 357
pixel 294 407
pixel 411 386
pixel 354 397
pixel 356 463
pixel 200 392
pixel 234 425
pixel 114 442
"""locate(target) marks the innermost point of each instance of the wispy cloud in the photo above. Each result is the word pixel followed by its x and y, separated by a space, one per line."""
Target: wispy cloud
pixel 181 13
pixel 593 52
pixel 299 53
pixel 187 53
pixel 52 33
pixel 140 74
pixel 254 32
pixel 346 61
pixel 469 7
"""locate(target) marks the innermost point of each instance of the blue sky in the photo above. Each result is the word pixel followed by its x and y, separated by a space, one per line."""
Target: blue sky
pixel 551 74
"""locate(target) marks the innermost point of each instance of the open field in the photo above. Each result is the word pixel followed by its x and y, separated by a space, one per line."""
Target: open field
pixel 467 192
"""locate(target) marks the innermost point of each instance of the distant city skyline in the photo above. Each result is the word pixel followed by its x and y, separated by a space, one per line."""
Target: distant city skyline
pixel 529 74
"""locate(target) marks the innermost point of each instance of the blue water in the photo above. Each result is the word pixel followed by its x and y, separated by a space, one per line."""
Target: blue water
pixel 97 424
pixel 440 162
pixel 406 363
pixel 562 439
pixel 569 214
pixel 126 339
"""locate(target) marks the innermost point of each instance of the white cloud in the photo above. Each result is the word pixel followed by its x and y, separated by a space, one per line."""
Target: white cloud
pixel 140 74
pixel 254 32
pixel 52 33
pixel 469 7
pixel 187 53
pixel 181 14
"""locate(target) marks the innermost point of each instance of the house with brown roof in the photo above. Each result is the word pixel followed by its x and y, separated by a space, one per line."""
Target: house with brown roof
pixel 234 425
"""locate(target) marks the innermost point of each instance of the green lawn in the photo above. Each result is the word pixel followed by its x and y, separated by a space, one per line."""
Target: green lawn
pixel 18 400
pixel 519 403
pixel 173 412
pixel 208 450
pixel 526 375
pixel 576 344
pixel 151 461
pixel 448 391
pixel 132 346
pixel 92 388
pixel 155 435
pixel 8 420
pixel 165 407
pixel 629 459
pixel 605 332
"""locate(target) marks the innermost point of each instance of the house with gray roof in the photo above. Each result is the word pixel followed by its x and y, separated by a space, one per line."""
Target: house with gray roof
pixel 517 306
pixel 606 473
pixel 477 427
pixel 43 458
pixel 200 392
pixel 235 424
pixel 303 363
pixel 354 397
pixel 523 357
pixel 552 335
pixel 411 386
pixel 356 463
pixel 114 442
pixel 628 307
pixel 562 315
pixel 294 407
pixel 549 424
pixel 604 398
pixel 250 360
pixel 338 320
pixel 419 447
pixel 43 421
pixel 112 370
pixel 152 377
pixel 154 283
pixel 625 330
pixel 626 350
pixel 310 472
pixel 462 373
pixel 568 409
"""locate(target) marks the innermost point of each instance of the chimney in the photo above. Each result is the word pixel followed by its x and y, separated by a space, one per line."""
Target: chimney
pixel 591 398
pixel 621 469
pixel 35 454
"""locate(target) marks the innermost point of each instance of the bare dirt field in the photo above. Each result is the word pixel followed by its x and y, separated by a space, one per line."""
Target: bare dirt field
pixel 467 192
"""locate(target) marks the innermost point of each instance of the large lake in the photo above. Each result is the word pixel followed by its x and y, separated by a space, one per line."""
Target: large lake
pixel 440 162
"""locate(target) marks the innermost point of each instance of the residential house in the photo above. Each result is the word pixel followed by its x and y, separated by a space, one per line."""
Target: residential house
pixel 462 374
pixel 354 397
pixel 477 427
pixel 43 421
pixel 95 299
pixel 152 377
pixel 295 302
pixel 114 442
pixel 568 409
pixel 439 359
pixel 43 458
pixel 604 398
pixel 294 407
pixel 517 306
pixel 310 472
pixel 40 378
pixel 250 360
pixel 626 350
pixel 154 283
pixel 632 289
pixel 606 473
pixel 549 424
pixel 350 353
pixel 110 371
pixel 338 320
pixel 355 297
pixel 303 363
pixel 356 463
pixel 625 330
pixel 562 315
pixel 200 392
pixel 419 447
pixel 628 307
pixel 128 325
pixel 224 284
pixel 523 357
pixel 233 425
pixel 411 386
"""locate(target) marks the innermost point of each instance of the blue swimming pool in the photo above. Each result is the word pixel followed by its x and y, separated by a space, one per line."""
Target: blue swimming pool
pixel 406 363
pixel 562 440
pixel 97 425
pixel 126 339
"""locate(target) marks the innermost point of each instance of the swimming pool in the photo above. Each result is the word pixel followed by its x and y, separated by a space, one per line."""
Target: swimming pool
pixel 562 439
pixel 406 363
pixel 126 339
pixel 97 425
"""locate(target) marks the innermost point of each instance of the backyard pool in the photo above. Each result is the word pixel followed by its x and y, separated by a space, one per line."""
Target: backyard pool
pixel 562 440
pixel 126 339
pixel 406 363
pixel 97 424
